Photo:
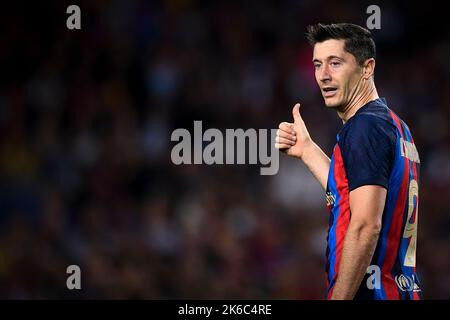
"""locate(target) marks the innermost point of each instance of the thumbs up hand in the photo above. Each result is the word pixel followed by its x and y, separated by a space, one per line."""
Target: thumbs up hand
pixel 293 137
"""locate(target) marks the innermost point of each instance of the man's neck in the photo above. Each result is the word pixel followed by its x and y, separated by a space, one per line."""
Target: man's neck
pixel 361 100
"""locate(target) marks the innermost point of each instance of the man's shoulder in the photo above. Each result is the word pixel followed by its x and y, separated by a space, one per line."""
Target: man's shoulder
pixel 374 111
pixel 367 123
pixel 372 126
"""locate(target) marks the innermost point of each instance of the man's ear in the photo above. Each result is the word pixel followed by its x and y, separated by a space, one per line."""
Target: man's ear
pixel 368 68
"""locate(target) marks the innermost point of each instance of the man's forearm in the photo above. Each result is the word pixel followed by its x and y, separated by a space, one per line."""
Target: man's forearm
pixel 359 246
pixel 318 163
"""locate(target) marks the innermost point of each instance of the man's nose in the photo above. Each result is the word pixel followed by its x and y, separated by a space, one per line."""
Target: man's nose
pixel 324 74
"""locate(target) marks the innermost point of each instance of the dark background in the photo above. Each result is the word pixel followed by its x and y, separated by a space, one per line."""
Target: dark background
pixel 85 123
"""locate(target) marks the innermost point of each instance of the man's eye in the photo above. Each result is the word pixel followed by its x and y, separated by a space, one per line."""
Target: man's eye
pixel 335 64
pixel 317 66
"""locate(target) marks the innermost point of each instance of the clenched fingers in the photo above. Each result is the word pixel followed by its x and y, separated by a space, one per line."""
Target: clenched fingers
pixel 286 126
pixel 282 140
pixel 286 132
pixel 282 146
pixel 287 135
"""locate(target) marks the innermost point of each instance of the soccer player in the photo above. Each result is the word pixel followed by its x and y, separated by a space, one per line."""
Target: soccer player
pixel 372 179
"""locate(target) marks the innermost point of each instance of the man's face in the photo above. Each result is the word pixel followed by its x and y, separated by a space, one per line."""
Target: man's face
pixel 337 73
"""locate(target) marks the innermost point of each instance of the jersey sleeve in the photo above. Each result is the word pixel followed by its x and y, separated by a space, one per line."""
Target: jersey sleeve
pixel 368 151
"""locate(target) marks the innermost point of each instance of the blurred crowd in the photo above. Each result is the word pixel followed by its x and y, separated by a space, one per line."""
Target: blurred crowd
pixel 86 118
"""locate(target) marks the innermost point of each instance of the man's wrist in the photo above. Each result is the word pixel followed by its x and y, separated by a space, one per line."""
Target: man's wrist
pixel 308 152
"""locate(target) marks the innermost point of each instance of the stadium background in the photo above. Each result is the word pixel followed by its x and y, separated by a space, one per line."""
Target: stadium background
pixel 85 124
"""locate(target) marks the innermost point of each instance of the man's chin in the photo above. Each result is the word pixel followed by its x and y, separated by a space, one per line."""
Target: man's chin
pixel 331 103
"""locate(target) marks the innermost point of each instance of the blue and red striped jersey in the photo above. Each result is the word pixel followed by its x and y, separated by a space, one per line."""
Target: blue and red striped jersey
pixel 375 147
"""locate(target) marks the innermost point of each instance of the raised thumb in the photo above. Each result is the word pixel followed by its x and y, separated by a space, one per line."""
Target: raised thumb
pixel 296 113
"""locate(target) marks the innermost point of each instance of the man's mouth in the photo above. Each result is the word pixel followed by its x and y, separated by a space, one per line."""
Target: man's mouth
pixel 329 91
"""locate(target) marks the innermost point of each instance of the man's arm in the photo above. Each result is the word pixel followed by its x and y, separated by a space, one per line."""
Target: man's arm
pixel 294 140
pixel 366 206
pixel 318 163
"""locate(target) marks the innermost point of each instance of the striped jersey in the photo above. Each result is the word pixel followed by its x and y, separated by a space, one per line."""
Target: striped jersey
pixel 375 147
